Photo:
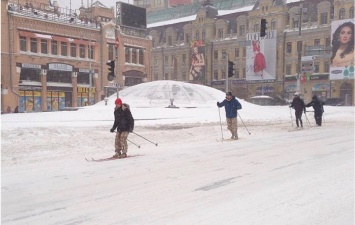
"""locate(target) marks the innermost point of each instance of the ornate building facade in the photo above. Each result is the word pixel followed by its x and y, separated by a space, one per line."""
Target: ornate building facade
pixel 197 49
pixel 53 58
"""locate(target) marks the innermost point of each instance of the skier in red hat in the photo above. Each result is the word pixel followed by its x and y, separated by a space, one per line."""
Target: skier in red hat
pixel 124 123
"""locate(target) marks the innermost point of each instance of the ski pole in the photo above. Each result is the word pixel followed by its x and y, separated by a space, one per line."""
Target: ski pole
pixel 291 116
pixel 134 143
pixel 220 123
pixel 244 124
pixel 156 144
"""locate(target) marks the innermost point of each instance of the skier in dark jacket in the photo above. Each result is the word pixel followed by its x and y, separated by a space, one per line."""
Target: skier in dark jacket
pixel 231 105
pixel 124 123
pixel 318 109
pixel 299 106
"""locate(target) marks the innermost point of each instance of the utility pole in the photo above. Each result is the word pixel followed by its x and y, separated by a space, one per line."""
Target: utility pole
pixel 227 80
pixel 299 46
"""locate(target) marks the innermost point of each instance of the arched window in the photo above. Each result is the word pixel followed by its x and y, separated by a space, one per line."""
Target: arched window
pixel 351 12
pixel 273 24
pixel 342 14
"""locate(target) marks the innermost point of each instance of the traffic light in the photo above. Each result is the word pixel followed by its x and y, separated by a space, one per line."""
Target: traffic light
pixel 230 69
pixel 263 27
pixel 111 69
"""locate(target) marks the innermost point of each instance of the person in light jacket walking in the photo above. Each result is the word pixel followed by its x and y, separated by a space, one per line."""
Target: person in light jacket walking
pixel 231 105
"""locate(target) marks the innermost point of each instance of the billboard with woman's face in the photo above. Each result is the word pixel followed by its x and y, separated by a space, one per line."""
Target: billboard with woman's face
pixel 197 69
pixel 342 55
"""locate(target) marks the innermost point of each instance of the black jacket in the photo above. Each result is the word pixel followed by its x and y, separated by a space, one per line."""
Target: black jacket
pixel 298 104
pixel 123 119
pixel 317 105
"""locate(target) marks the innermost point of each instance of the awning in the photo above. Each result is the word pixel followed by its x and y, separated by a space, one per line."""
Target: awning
pixel 27 34
pixel 62 39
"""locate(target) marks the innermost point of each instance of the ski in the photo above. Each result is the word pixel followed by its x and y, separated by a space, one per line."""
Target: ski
pixel 227 140
pixel 108 159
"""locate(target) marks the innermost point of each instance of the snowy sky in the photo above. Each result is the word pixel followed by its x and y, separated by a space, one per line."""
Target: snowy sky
pixel 274 174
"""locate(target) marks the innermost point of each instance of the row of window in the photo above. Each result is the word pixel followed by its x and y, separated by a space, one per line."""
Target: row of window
pixel 57 48
pixel 134 55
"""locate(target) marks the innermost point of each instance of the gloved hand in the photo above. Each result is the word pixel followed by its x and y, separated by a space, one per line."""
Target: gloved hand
pixel 112 130
pixel 217 103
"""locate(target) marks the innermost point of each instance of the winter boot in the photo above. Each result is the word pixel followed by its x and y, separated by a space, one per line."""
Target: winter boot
pixel 116 155
pixel 235 136
pixel 123 155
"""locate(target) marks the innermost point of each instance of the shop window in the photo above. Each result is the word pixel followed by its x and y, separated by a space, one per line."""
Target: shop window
pixel 64 48
pixel 58 76
pixel 54 47
pixel 34 45
pixel 23 44
pixel 83 78
pixel 82 51
pixel 44 46
pixel 72 49
pixel 28 74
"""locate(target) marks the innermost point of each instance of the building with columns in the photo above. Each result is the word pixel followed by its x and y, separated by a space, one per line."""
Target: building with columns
pixel 54 58
pixel 197 48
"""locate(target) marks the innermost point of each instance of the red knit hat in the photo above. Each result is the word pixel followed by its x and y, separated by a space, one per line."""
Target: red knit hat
pixel 118 101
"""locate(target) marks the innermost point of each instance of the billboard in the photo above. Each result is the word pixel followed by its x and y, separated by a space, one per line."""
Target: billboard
pixel 198 65
pixel 259 67
pixel 131 15
pixel 342 55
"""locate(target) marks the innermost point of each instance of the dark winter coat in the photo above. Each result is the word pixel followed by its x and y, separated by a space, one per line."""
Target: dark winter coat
pixel 231 107
pixel 317 105
pixel 298 104
pixel 123 119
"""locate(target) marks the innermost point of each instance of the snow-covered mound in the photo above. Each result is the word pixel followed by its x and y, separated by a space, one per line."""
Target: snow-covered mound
pixel 161 93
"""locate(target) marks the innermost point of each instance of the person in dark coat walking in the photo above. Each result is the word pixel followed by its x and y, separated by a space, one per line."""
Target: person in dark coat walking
pixel 124 123
pixel 318 109
pixel 299 106
pixel 231 105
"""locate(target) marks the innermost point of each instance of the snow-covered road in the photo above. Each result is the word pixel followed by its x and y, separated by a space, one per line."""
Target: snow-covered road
pixel 275 176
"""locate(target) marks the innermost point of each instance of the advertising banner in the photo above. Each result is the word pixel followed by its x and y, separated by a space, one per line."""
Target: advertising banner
pixel 197 68
pixel 342 55
pixel 261 56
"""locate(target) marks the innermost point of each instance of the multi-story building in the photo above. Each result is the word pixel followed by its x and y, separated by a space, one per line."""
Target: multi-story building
pixel 54 58
pixel 296 49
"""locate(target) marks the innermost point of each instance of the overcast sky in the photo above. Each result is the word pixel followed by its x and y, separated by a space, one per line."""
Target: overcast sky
pixel 75 4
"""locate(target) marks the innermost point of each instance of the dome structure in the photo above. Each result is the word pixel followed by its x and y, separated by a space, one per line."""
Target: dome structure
pixel 170 93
